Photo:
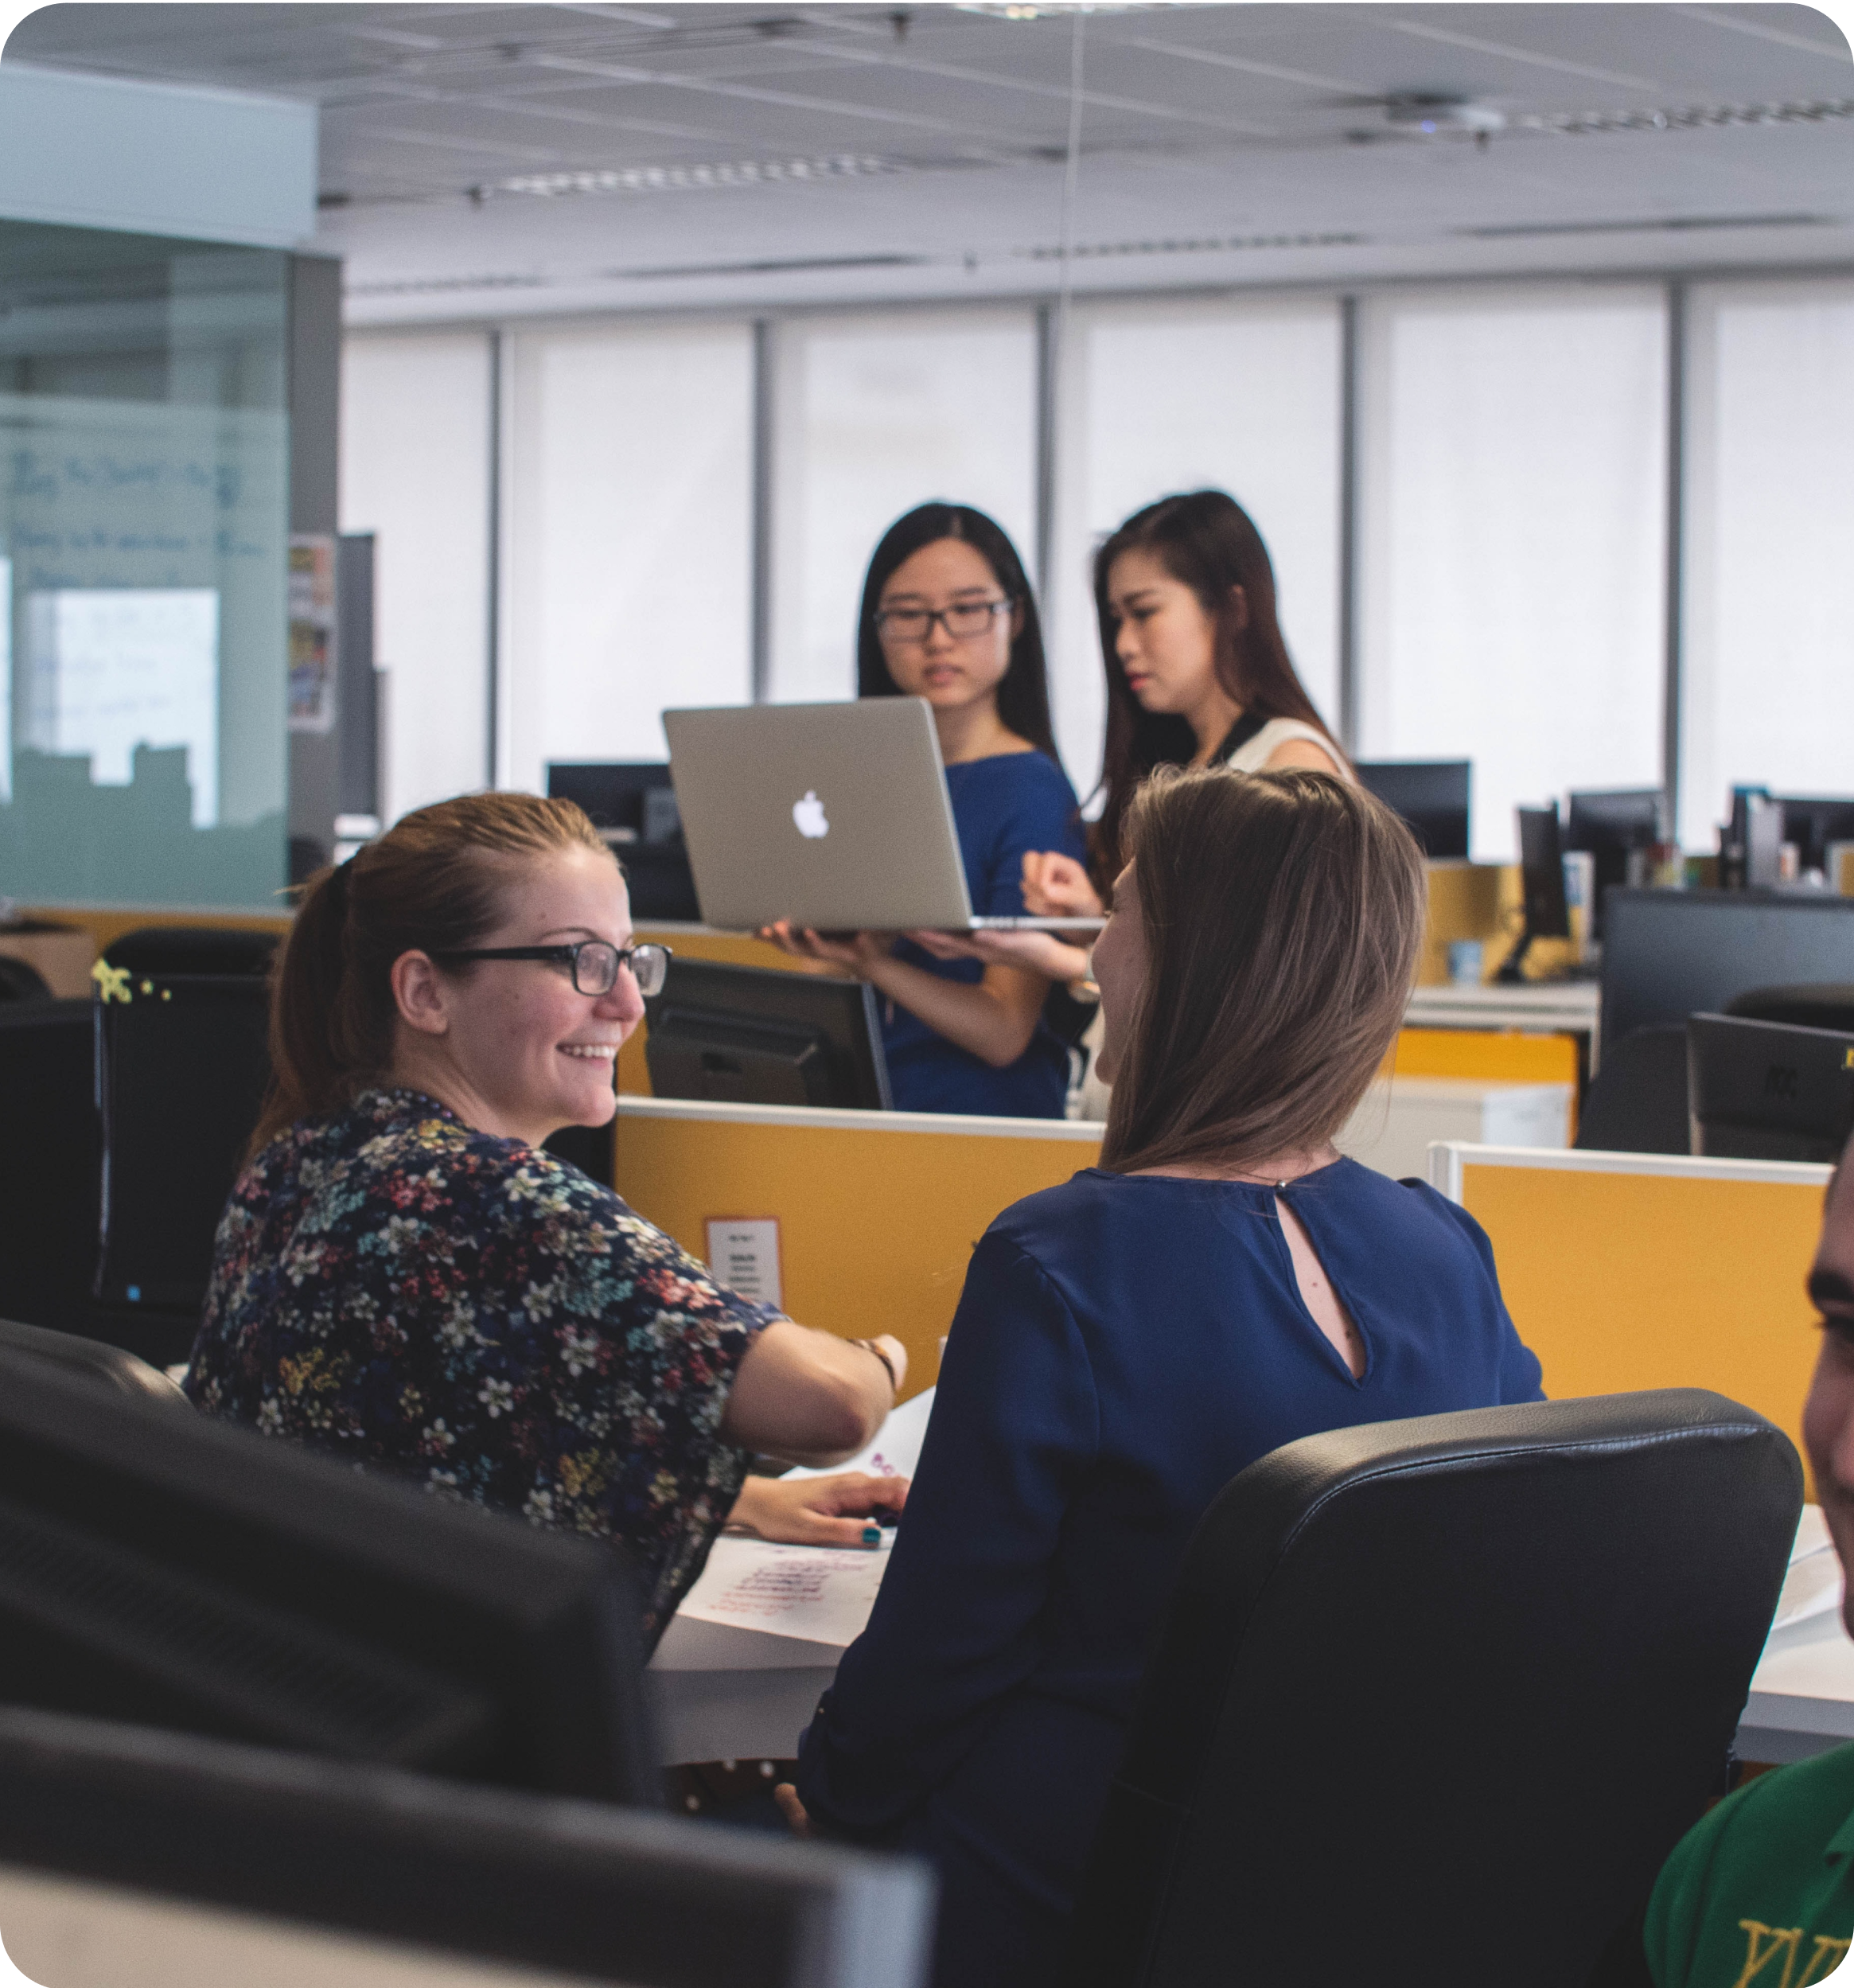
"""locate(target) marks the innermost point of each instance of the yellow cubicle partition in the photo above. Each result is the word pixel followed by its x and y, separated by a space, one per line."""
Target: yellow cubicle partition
pixel 878 1211
pixel 1639 1270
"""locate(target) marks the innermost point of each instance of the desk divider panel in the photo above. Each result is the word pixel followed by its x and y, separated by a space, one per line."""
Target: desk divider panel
pixel 878 1211
pixel 1636 1270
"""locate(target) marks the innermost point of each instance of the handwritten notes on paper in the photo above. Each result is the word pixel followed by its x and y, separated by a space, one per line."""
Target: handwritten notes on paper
pixel 810 1594
pixel 816 1594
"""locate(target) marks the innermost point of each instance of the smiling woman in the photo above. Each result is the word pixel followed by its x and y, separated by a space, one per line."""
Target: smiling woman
pixel 404 1277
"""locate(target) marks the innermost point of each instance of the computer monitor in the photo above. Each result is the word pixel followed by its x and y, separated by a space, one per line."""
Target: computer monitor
pixel 1812 823
pixel 743 1036
pixel 633 803
pixel 175 1571
pixel 182 1067
pixel 142 1856
pixel 1612 828
pixel 1668 954
pixel 1769 1090
pixel 1431 795
pixel 1541 867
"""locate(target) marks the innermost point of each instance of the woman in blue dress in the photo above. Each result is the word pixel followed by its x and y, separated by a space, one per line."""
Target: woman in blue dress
pixel 1222 1284
pixel 948 615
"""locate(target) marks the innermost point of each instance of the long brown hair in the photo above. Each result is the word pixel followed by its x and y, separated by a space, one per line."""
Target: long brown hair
pixel 1283 917
pixel 1209 543
pixel 435 882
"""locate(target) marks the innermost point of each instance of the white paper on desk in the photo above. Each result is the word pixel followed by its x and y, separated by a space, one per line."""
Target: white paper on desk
pixel 816 1594
pixel 896 1451
pixel 1814 1585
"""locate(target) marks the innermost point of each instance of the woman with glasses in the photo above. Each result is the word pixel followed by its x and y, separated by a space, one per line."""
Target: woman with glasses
pixel 947 615
pixel 404 1278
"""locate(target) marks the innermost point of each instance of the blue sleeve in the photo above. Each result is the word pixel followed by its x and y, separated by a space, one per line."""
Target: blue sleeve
pixel 1039 812
pixel 955 1626
pixel 1522 1377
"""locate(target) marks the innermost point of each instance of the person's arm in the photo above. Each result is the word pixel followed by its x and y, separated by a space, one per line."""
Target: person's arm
pixel 1042 952
pixel 810 1397
pixel 994 1018
pixel 1015 1430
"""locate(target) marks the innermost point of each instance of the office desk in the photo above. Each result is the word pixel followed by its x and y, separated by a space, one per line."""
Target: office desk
pixel 1803 1694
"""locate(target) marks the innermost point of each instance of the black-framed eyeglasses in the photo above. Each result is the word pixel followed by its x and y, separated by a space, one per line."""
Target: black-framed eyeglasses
pixel 964 622
pixel 594 963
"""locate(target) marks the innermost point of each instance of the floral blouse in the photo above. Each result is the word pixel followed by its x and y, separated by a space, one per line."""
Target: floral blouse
pixel 392 1287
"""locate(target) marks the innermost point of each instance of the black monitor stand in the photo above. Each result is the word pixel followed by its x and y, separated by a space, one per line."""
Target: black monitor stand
pixel 1541 861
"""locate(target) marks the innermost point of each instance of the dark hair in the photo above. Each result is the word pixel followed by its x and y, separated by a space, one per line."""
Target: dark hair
pixel 435 882
pixel 1024 696
pixel 1283 916
pixel 1208 541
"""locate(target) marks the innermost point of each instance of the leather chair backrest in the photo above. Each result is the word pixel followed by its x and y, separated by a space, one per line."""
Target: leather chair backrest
pixel 1434 1699
pixel 159 950
pixel 1638 1100
pixel 20 980
pixel 108 1365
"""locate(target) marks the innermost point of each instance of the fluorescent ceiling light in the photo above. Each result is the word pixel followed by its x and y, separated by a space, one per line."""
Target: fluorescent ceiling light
pixel 1056 9
pixel 684 179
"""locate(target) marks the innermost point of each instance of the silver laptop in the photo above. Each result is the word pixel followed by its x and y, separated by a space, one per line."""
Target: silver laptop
pixel 834 816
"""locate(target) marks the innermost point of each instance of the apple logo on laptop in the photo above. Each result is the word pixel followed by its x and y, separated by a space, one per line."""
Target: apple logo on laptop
pixel 808 817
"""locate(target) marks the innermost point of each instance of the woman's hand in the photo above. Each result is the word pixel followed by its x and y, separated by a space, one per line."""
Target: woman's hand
pixel 1057 887
pixel 819 1511
pixel 786 1796
pixel 859 951
pixel 1040 952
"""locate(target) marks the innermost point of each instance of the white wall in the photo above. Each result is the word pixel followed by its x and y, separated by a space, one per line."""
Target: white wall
pixel 1769 695
pixel 1513 528
pixel 415 453
pixel 630 537
pixel 1512 522
pixel 873 415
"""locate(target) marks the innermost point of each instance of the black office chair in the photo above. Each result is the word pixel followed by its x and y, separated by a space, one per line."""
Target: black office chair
pixel 158 951
pixel 1637 1101
pixel 1817 1006
pixel 20 980
pixel 93 1361
pixel 1434 1699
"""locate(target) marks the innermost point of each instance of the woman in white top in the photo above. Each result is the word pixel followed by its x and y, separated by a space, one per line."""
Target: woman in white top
pixel 1197 675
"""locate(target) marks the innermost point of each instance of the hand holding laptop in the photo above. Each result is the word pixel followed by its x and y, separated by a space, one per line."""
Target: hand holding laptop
pixel 1041 952
pixel 855 951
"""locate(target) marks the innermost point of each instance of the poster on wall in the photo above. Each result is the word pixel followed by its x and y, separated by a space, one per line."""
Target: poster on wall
pixel 312 632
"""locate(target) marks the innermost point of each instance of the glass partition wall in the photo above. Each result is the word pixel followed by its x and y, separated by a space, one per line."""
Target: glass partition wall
pixel 144 521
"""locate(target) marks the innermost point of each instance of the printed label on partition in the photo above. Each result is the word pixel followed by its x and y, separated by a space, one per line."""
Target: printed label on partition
pixel 745 1257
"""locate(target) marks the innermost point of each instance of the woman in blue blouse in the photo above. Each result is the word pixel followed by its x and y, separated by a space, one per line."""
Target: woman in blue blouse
pixel 404 1277
pixel 948 615
pixel 1223 1282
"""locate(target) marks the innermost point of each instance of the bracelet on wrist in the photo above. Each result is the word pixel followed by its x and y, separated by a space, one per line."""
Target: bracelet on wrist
pixel 869 1346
